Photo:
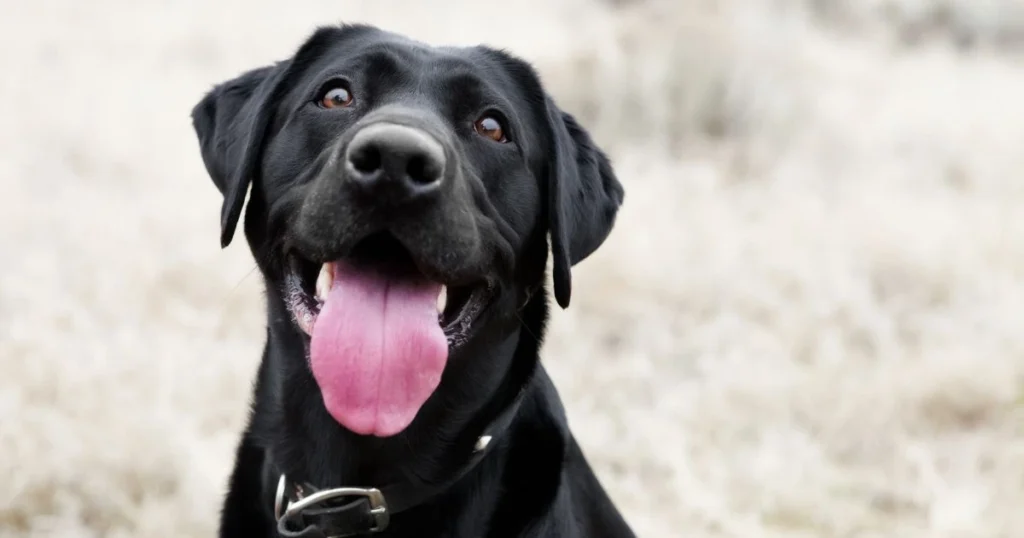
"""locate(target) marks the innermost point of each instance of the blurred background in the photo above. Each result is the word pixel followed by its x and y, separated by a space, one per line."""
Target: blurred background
pixel 809 321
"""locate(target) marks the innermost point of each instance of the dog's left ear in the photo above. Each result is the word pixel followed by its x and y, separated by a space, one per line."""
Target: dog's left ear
pixel 231 122
pixel 584 196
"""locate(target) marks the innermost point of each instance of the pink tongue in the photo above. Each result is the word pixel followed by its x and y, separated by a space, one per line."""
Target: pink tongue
pixel 377 350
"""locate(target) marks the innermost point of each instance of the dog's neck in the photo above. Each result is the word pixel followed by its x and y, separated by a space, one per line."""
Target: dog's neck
pixel 317 450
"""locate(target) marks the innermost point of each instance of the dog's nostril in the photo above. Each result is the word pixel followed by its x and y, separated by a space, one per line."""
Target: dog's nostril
pixel 395 160
pixel 366 159
pixel 422 169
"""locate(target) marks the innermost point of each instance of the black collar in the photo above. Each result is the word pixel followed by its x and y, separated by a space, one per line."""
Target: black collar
pixel 305 511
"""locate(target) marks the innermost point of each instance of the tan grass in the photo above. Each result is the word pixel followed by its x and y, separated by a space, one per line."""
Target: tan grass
pixel 809 321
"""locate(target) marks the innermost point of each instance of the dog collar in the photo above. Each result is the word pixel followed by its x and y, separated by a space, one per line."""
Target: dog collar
pixel 304 511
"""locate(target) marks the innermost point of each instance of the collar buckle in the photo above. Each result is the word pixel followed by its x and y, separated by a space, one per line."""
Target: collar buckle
pixel 285 508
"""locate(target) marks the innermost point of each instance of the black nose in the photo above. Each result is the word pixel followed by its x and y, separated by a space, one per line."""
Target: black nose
pixel 395 161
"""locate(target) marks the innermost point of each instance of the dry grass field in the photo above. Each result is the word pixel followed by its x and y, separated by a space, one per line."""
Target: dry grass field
pixel 809 321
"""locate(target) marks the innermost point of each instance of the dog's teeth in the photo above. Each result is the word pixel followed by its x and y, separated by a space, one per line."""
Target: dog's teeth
pixel 324 281
pixel 442 299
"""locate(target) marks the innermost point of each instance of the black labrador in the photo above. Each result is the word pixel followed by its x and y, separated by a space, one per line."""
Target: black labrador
pixel 401 199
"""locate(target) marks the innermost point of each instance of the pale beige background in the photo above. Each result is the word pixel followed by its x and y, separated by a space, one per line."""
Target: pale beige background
pixel 808 323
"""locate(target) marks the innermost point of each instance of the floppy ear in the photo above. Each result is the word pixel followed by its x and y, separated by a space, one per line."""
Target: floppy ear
pixel 231 122
pixel 583 197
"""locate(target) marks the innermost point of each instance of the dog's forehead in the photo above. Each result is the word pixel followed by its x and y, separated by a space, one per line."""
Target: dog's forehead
pixel 457 81
pixel 404 58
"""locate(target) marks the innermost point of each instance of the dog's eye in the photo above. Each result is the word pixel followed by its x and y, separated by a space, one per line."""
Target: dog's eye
pixel 335 97
pixel 490 127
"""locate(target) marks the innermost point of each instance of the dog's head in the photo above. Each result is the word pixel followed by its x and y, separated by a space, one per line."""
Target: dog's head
pixel 401 195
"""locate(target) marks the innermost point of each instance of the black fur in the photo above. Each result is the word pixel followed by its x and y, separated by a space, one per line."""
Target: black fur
pixel 263 130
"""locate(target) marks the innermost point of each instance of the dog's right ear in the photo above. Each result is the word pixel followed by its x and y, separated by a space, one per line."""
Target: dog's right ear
pixel 231 122
pixel 583 199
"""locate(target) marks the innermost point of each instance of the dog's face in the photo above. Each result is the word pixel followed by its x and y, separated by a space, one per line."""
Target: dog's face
pixel 401 195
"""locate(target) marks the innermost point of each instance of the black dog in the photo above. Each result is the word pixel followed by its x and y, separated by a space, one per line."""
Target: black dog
pixel 401 198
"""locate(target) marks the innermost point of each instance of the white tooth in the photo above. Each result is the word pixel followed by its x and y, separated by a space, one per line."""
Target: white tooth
pixel 324 281
pixel 442 299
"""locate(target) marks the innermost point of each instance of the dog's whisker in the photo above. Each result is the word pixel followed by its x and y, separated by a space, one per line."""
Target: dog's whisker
pixel 234 289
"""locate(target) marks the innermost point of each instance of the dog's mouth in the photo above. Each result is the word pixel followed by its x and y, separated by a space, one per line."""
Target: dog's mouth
pixel 380 330
pixel 308 285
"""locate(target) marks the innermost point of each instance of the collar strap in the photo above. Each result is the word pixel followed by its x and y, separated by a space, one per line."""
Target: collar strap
pixel 304 511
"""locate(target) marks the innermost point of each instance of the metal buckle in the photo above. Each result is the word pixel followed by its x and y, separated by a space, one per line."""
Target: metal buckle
pixel 279 498
pixel 378 506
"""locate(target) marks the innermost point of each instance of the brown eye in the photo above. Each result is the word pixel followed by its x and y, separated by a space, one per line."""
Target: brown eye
pixel 336 97
pixel 491 128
